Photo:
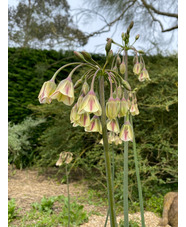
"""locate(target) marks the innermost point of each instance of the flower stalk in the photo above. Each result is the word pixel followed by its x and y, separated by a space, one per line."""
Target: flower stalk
pixel 107 157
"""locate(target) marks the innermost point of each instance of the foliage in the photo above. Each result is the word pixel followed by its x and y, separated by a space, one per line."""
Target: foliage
pixel 43 23
pixel 131 223
pixel 12 212
pixel 20 143
pixel 53 211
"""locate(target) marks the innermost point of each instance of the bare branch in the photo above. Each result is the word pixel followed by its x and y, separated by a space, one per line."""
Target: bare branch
pixel 148 6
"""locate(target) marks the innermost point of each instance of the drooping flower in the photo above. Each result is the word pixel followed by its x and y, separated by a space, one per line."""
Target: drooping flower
pixel 126 133
pixel 137 68
pixel 113 125
pixel 74 116
pixel 134 109
pixel 95 125
pixel 84 120
pixel 144 75
pixel 124 107
pixel 46 91
pixel 64 92
pixel 64 157
pixel 112 108
pixel 90 104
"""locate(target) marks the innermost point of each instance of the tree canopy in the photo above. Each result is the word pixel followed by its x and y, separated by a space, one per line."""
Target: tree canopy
pixel 39 23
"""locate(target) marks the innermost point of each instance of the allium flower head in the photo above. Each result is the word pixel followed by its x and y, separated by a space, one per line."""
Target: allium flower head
pixel 64 92
pixel 46 91
pixel 126 133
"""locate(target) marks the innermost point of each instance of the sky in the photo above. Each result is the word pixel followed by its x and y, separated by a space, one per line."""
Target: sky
pixel 97 44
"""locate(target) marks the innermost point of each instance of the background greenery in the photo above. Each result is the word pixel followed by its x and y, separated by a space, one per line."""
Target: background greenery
pixel 155 126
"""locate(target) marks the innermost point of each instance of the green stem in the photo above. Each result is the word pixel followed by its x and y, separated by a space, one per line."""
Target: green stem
pixel 107 158
pixel 68 197
pixel 112 182
pixel 138 177
pixel 125 176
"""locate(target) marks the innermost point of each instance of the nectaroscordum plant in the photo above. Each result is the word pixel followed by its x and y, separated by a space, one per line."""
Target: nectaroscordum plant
pixel 91 112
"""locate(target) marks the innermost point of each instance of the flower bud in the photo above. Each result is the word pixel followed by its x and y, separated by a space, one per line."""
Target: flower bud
pixel 123 36
pixel 126 133
pixel 78 83
pixel 64 92
pixel 126 84
pixel 86 55
pixel 120 91
pixel 110 56
pixel 118 61
pixel 137 68
pixel 85 88
pixel 122 68
pixel 108 45
pixel 46 91
pixel 79 55
pixel 113 125
pixel 137 37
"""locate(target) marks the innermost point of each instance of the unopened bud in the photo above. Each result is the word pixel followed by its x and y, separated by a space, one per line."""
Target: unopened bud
pixel 118 60
pixel 78 83
pixel 126 84
pixel 86 55
pixel 137 37
pixel 122 68
pixel 108 45
pixel 110 55
pixel 131 24
pixel 85 88
pixel 79 55
pixel 123 35
pixel 141 52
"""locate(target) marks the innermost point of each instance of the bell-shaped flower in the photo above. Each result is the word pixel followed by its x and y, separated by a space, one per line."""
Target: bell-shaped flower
pixel 117 140
pixel 144 75
pixel 112 108
pixel 124 107
pixel 46 91
pixel 90 104
pixel 95 125
pixel 126 133
pixel 64 92
pixel 84 120
pixel 137 68
pixel 74 116
pixel 134 109
pixel 113 125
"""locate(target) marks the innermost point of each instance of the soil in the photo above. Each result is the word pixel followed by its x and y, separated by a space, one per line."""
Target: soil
pixel 27 186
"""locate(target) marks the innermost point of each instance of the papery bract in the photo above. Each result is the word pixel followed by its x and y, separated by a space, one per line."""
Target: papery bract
pixel 64 92
pixel 46 91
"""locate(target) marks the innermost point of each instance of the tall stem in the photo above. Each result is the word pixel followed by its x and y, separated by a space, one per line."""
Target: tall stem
pixel 68 196
pixel 125 176
pixel 138 177
pixel 106 152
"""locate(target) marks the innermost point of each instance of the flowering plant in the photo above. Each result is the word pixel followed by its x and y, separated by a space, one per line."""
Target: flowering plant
pixel 91 112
